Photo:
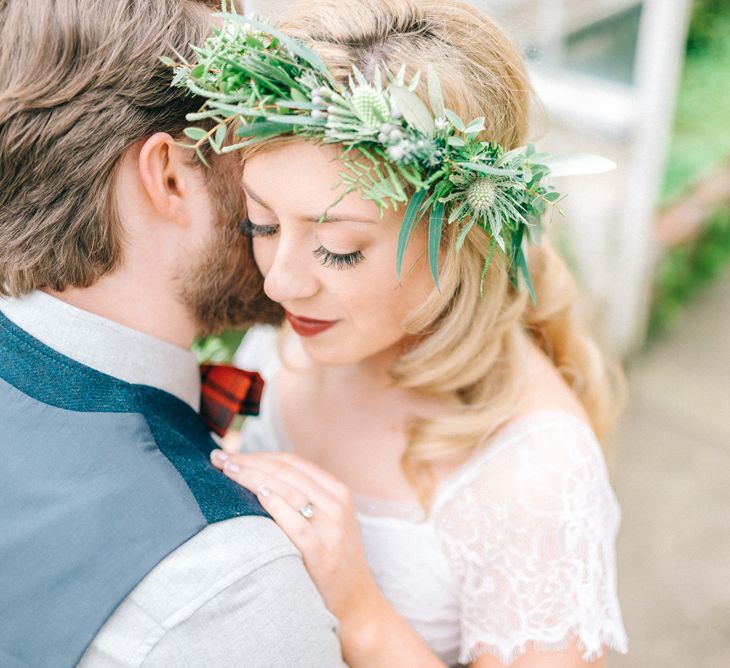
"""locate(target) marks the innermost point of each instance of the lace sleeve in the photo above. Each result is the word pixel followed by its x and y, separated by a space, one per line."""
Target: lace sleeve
pixel 529 532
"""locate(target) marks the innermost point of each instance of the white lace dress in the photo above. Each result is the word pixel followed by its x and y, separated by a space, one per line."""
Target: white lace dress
pixel 518 551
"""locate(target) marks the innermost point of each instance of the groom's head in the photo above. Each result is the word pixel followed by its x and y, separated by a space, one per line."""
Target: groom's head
pixel 92 179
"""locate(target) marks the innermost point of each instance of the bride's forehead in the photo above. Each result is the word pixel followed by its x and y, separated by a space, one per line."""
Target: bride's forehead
pixel 303 178
pixel 306 159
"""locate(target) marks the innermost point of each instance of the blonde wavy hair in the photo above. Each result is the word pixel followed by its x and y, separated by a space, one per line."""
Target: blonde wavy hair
pixel 467 347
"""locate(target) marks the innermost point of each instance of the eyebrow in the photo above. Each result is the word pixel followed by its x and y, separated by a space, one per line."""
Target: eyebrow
pixel 331 217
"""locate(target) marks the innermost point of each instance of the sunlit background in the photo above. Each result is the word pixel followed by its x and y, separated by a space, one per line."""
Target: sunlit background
pixel 648 85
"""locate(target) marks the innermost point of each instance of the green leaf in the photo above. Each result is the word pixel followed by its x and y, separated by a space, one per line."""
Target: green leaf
pixel 359 77
pixel 201 157
pixel 220 135
pixel 435 224
pixel 486 169
pixel 294 120
pixel 203 115
pixel 455 120
pixel 296 104
pixel 458 142
pixel 197 72
pixel 522 264
pixel 435 95
pixel 552 196
pixel 196 134
pixel 297 95
pixel 414 82
pixel 413 109
pixel 410 219
pixel 169 62
pixel 295 47
pixel 463 233
pixel 263 129
pixel 475 127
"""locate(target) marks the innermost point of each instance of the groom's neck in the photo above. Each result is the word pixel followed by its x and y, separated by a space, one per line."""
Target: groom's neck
pixel 145 307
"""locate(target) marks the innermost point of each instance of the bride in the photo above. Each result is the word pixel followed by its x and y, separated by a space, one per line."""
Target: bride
pixel 431 450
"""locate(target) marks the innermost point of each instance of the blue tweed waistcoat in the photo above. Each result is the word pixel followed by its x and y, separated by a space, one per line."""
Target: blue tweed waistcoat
pixel 101 480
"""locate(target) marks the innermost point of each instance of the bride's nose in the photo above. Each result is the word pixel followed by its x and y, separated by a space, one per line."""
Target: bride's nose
pixel 291 274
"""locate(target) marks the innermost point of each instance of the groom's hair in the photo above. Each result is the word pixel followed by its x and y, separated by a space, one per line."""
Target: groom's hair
pixel 80 83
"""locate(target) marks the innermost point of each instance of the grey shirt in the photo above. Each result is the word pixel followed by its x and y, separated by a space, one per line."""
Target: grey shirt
pixel 237 593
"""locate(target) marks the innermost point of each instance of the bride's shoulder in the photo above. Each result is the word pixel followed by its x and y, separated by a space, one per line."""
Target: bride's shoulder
pixel 267 349
pixel 259 350
pixel 534 457
pixel 546 449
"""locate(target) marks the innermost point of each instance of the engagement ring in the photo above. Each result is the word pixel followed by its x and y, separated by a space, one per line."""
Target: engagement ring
pixel 307 511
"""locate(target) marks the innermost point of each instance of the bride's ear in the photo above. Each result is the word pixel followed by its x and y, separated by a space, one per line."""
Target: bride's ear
pixel 166 176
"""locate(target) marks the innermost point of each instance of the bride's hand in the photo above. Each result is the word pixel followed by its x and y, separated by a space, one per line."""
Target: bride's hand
pixel 289 487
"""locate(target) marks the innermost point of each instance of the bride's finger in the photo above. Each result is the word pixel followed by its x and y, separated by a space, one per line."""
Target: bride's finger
pixel 314 473
pixel 255 480
pixel 283 470
pixel 300 530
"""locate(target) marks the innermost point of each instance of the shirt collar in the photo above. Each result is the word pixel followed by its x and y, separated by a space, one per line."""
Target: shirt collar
pixel 107 346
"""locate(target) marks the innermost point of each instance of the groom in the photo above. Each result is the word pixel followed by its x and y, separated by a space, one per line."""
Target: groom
pixel 119 543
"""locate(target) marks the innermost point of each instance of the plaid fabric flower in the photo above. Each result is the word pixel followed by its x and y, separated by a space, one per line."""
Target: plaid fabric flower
pixel 228 391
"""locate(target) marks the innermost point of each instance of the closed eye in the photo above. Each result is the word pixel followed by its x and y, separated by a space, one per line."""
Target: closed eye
pixel 251 230
pixel 338 260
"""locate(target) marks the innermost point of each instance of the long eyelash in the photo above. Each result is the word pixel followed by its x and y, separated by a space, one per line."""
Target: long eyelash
pixel 337 261
pixel 250 230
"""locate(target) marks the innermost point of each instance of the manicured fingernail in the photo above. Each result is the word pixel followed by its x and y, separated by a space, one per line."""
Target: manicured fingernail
pixel 232 467
pixel 264 491
pixel 219 455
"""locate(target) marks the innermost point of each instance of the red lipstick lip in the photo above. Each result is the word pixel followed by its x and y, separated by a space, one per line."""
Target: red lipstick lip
pixel 308 326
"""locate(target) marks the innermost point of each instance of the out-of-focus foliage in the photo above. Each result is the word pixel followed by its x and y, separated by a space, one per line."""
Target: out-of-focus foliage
pixel 220 348
pixel 701 136
pixel 700 145
pixel 684 270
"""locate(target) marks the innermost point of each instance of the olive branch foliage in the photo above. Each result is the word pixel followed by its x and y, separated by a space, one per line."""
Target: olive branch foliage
pixel 258 83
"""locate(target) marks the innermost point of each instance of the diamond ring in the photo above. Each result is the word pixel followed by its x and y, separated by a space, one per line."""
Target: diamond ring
pixel 307 511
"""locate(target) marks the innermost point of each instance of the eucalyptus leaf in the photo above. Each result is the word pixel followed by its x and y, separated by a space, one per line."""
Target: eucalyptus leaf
pixel 455 120
pixel 463 233
pixel 293 120
pixel 413 109
pixel 486 169
pixel 196 134
pixel 410 219
pixel 522 264
pixel 220 135
pixel 435 94
pixel 263 129
pixel 435 224
pixel 475 127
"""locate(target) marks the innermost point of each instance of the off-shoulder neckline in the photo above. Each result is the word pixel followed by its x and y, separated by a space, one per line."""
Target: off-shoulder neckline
pixel 405 511
pixel 410 512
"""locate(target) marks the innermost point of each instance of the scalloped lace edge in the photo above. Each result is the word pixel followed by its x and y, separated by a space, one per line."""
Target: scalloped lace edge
pixel 613 640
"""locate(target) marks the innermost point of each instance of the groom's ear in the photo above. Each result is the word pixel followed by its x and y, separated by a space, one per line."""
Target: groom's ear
pixel 166 176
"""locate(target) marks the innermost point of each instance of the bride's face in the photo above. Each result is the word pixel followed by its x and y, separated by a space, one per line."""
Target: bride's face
pixel 336 279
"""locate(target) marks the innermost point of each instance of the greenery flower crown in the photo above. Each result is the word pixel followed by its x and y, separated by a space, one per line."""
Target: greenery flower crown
pixel 262 83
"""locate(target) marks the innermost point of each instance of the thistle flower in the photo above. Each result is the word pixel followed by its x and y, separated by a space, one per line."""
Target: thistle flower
pixel 481 195
pixel 371 106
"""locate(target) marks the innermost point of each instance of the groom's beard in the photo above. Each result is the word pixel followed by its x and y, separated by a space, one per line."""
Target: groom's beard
pixel 223 288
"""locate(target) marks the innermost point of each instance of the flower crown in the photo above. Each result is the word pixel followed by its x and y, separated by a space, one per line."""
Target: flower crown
pixel 262 84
